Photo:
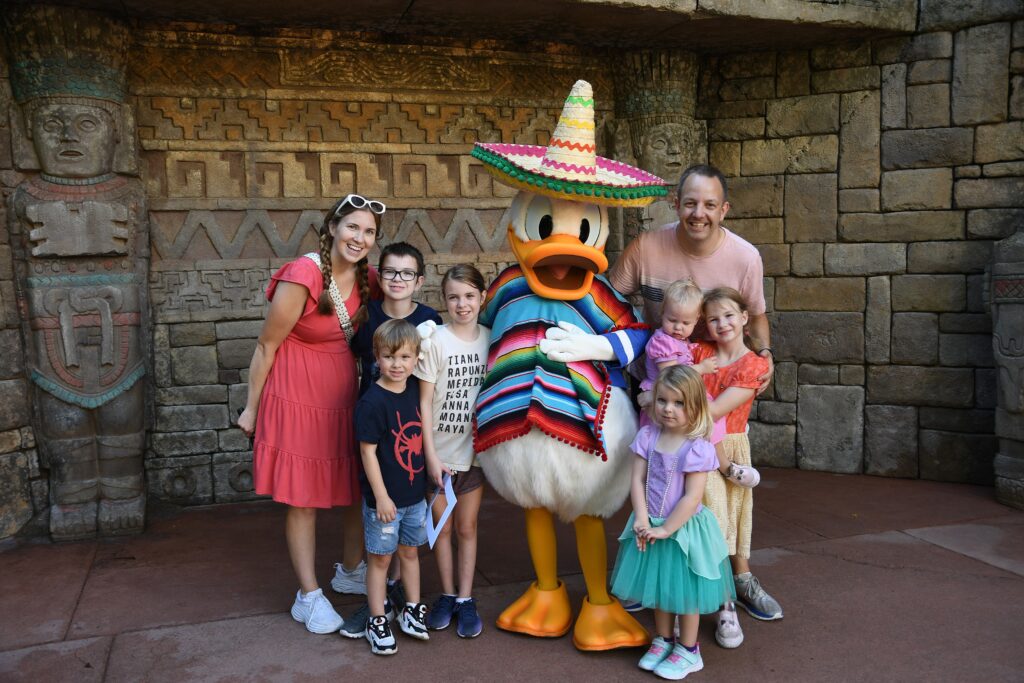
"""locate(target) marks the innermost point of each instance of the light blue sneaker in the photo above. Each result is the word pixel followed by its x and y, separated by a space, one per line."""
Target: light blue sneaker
pixel 657 653
pixel 679 664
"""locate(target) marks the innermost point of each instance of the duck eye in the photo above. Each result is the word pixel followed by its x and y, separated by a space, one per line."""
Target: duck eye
pixel 545 227
pixel 592 230
pixel 584 230
pixel 539 222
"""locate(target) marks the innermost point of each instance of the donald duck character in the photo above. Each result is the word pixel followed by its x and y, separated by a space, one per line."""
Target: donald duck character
pixel 553 436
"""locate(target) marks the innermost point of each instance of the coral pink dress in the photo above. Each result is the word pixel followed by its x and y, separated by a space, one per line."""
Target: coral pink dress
pixel 305 454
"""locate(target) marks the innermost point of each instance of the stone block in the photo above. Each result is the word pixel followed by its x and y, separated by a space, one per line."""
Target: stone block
pixel 185 481
pixel 966 350
pixel 726 157
pixel 890 441
pixel 862 200
pixel 818 374
pixel 14 402
pixel 930 71
pixel 1017 41
pixel 928 105
pixel 784 381
pixel 985 389
pixel 925 148
pixel 802 115
pixel 232 477
pixel 15 494
pixel 965 323
pixel 948 257
pixel 184 418
pixel 865 259
pixel 806 259
pixel 773 445
pixel 794 74
pixel 194 365
pixel 747 64
pixel 776 412
pixel 926 188
pixel 235 353
pixel 989 193
pixel 819 294
pixel 877 320
pixel 952 14
pixel 192 334
pixel 921 386
pixel 894 96
pixel 1017 97
pixel 994 224
pixel 10 440
pixel 161 356
pixel 758 230
pixel 859 139
pixel 934 293
pixel 969 171
pixel 948 456
pixel 184 443
pixel 12 359
pixel 730 110
pixel 818 337
pixel 201 393
pixel 904 226
pixel 914 48
pixel 229 376
pixel 976 298
pixel 1003 169
pixel 233 440
pixel 746 128
pixel 999 142
pixel 845 80
pixel 841 56
pixel 1017 62
pixel 757 88
pixel 238 394
pixel 852 375
pixel 915 338
pixel 830 429
pixel 775 258
pixel 755 197
pixel 239 329
pixel 807 154
pixel 811 207
pixel 953 420
pixel 980 73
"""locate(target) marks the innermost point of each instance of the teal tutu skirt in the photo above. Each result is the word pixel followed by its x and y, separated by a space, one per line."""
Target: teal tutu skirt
pixel 686 573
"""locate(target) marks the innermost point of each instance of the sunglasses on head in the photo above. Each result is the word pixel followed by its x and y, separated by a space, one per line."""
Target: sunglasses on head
pixel 360 202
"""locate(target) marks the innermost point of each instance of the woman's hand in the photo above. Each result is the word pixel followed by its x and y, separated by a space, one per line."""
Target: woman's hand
pixel 386 510
pixel 247 422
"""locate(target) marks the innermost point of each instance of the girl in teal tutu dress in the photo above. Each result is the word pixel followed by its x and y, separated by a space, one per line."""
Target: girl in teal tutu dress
pixel 672 556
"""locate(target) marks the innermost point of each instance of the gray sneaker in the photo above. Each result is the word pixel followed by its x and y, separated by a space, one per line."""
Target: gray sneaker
pixel 355 625
pixel 751 597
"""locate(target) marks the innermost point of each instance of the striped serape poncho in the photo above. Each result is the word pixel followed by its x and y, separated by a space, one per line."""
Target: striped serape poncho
pixel 524 389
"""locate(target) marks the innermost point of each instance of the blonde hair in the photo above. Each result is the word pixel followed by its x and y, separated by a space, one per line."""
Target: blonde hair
pixel 686 381
pixel 393 335
pixel 683 292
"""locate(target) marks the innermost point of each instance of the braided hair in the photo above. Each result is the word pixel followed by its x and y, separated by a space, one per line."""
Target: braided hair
pixel 324 305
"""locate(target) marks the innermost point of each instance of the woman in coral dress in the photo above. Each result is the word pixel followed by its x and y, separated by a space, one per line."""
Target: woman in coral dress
pixel 302 393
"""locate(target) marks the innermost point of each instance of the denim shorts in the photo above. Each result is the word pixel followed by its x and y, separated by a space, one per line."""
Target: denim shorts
pixel 408 528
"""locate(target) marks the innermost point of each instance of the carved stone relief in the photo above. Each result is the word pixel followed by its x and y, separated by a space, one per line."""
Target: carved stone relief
pixel 1007 288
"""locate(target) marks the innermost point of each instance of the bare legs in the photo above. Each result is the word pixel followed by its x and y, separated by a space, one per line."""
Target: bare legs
pixel 464 519
pixel 300 533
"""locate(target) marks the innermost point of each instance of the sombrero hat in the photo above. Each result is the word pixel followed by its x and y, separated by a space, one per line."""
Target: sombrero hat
pixel 569 168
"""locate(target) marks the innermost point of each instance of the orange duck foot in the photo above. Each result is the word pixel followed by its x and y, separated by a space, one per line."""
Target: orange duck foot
pixel 544 614
pixel 607 627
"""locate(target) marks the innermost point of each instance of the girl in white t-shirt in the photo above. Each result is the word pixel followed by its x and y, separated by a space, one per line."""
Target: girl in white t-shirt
pixel 451 372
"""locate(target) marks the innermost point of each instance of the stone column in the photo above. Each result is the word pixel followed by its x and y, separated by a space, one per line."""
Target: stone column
pixel 79 239
pixel 1007 290
pixel 655 101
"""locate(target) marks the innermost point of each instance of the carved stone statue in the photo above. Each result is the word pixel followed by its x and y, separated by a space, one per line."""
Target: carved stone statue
pixel 1007 289
pixel 78 233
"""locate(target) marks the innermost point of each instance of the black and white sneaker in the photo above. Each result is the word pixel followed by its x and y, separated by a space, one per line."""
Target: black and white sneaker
pixel 382 640
pixel 413 621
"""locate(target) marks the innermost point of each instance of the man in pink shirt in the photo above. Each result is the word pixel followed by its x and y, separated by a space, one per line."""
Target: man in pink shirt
pixel 698 246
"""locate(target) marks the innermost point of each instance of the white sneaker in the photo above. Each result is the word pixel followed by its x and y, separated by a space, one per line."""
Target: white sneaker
pixel 316 612
pixel 382 640
pixel 413 621
pixel 345 581
pixel 729 634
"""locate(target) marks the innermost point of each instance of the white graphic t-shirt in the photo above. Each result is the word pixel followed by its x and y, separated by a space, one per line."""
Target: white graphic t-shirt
pixel 457 369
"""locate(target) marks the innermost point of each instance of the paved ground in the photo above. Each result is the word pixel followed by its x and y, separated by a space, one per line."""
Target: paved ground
pixel 880 579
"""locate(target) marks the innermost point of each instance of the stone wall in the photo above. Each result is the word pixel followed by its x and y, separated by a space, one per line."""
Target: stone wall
pixel 874 178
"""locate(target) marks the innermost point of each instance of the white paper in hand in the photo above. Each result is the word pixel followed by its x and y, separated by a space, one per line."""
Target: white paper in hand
pixel 449 494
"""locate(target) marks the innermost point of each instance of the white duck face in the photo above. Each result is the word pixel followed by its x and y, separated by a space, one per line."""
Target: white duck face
pixel 559 244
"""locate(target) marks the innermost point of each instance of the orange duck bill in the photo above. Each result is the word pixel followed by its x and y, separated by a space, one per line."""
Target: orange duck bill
pixel 559 267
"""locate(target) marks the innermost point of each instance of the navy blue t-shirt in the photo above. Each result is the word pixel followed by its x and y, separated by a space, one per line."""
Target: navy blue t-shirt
pixel 392 421
pixel 362 342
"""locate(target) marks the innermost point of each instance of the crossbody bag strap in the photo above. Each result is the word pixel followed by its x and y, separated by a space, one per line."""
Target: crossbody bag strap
pixel 344 321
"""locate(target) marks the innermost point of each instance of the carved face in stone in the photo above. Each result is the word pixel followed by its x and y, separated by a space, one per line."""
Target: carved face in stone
pixel 665 149
pixel 74 140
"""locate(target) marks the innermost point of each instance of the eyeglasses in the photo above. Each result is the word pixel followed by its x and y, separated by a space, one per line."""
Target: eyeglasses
pixel 403 275
pixel 360 202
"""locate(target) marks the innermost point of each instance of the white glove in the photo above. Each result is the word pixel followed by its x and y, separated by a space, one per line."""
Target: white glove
pixel 426 331
pixel 568 344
